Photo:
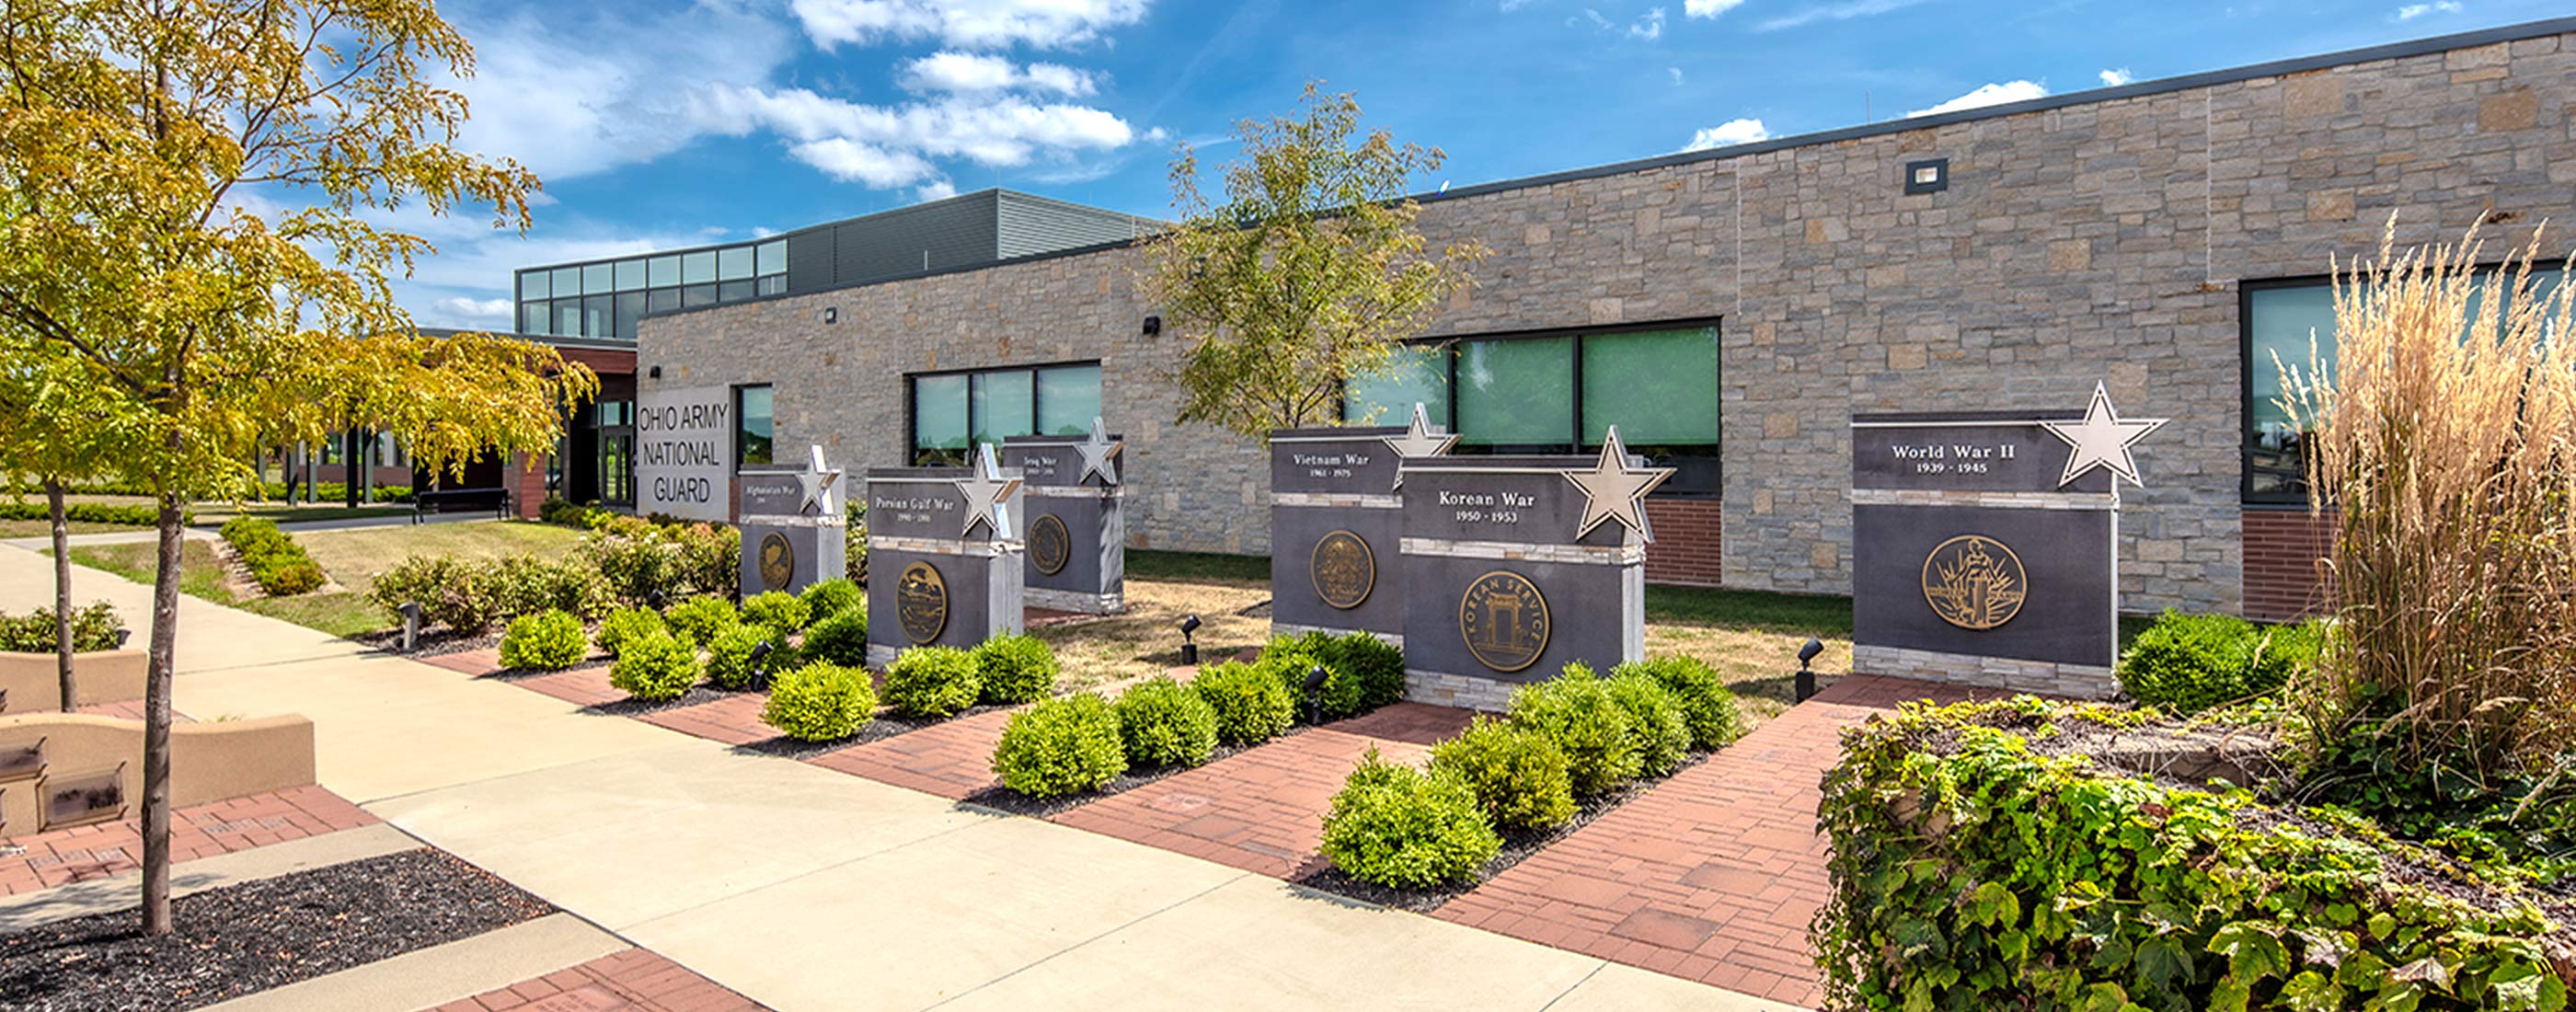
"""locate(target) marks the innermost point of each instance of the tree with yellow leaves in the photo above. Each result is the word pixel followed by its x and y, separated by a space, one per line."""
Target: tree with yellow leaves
pixel 199 186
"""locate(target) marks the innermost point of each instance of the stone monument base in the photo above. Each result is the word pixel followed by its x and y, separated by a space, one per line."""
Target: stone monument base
pixel 1440 688
pixel 1075 601
pixel 2046 678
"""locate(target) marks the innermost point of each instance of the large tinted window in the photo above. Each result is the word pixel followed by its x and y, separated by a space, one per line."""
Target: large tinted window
pixel 1004 404
pixel 1068 399
pixel 952 413
pixel 939 417
pixel 753 432
pixel 1415 374
pixel 1516 393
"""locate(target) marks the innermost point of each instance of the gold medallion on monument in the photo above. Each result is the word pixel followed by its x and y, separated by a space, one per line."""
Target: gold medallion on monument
pixel 777 561
pixel 1974 582
pixel 1504 621
pixel 921 602
pixel 1343 569
pixel 1050 544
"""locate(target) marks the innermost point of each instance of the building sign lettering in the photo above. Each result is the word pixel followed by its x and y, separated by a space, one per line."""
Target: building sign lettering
pixel 684 452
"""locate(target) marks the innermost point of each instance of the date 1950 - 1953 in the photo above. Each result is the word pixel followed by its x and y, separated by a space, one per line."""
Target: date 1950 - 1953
pixel 1487 508
pixel 1952 458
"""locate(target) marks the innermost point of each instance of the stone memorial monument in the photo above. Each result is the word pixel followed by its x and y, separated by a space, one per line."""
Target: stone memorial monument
pixel 1516 565
pixel 1077 524
pixel 1981 555
pixel 794 532
pixel 1335 519
pixel 944 564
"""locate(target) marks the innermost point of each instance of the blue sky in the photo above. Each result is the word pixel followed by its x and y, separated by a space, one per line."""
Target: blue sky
pixel 660 123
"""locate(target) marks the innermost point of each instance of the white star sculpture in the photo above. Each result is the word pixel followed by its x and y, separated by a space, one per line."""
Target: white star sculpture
pixel 986 491
pixel 1099 455
pixel 818 482
pixel 1418 441
pixel 2102 439
pixel 1616 490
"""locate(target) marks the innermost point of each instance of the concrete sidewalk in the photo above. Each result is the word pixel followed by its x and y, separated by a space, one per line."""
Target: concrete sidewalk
pixel 760 873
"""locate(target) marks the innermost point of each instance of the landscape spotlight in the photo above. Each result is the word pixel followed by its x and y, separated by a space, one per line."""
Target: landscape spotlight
pixel 1189 645
pixel 1315 678
pixel 1807 675
pixel 654 597
pixel 760 662
pixel 411 625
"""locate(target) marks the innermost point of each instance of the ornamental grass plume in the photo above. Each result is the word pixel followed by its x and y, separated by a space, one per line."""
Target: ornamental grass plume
pixel 2441 439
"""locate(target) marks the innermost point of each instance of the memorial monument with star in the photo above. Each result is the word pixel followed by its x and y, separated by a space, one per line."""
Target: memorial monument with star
pixel 793 527
pixel 1077 524
pixel 944 555
pixel 1985 545
pixel 1336 514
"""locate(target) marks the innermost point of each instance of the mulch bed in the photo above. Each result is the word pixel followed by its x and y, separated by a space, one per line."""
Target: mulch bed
pixel 252 937
pixel 1518 845
pixel 432 642
pixel 703 692
pixel 1004 799
pixel 884 727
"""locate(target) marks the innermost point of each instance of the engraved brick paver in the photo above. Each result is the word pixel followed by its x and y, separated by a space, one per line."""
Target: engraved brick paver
pixel 1262 810
pixel 633 979
pixel 107 849
pixel 953 759
pixel 1714 874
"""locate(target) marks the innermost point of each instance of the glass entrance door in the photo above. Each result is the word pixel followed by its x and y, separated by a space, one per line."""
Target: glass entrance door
pixel 617 453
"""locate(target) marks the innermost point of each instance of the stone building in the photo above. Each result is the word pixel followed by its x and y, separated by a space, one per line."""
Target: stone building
pixel 2164 236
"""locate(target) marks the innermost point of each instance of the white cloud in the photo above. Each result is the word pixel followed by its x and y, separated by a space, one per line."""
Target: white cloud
pixel 1844 11
pixel 2116 78
pixel 488 310
pixel 854 161
pixel 1677 74
pixel 1988 94
pixel 2412 11
pixel 1709 8
pixel 1731 132
pixel 973 73
pixel 1649 27
pixel 888 146
pixel 969 24
pixel 939 190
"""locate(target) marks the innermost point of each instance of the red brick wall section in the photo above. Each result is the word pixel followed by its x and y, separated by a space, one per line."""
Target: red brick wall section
pixel 1687 537
pixel 2284 552
pixel 526 480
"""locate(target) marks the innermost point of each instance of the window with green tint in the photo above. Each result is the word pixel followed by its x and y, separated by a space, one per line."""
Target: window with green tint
pixel 938 416
pixel 536 318
pixel 568 317
pixel 733 263
pixel 1003 404
pixel 1516 393
pixel 630 308
pixel 630 275
pixel 597 279
pixel 662 272
pixel 1068 399
pixel 1414 374
pixel 694 296
pixel 698 268
pixel 773 257
pixel 661 300
pixel 533 284
pixel 596 316
pixel 753 432
pixel 567 281
pixel 1659 387
pixel 733 291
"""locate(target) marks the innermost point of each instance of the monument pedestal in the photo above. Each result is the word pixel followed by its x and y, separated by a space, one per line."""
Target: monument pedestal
pixel 1076 522
pixel 944 557
pixel 794 534
pixel 1335 520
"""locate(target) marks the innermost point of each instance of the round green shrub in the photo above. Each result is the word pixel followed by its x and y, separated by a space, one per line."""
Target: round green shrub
pixel 656 666
pixel 776 608
pixel 1251 704
pixel 2191 663
pixel 1015 669
pixel 1708 706
pixel 819 702
pixel 729 662
pixel 1397 826
pixel 931 682
pixel 626 625
pixel 1575 710
pixel 545 641
pixel 1163 722
pixel 840 637
pixel 702 618
pixel 1061 746
pixel 1367 673
pixel 832 597
pixel 1519 776
pixel 1655 725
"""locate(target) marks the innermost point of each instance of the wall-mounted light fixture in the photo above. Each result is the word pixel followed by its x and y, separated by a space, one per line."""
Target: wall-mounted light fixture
pixel 1931 175
pixel 655 372
pixel 831 314
pixel 1153 326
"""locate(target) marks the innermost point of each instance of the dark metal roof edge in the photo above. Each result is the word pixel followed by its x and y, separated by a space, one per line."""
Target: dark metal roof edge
pixel 2159 86
pixel 1028 258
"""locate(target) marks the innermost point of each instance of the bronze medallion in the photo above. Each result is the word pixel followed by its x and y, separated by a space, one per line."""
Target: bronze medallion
pixel 1050 544
pixel 1974 582
pixel 921 602
pixel 777 561
pixel 1343 569
pixel 1504 620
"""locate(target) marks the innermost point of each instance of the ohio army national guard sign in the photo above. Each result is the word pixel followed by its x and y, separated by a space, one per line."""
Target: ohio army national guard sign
pixel 1343 569
pixel 921 602
pixel 1984 545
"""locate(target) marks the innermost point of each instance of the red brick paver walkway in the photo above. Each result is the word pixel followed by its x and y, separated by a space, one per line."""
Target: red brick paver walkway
pixel 733 720
pixel 953 759
pixel 113 848
pixel 633 979
pixel 1263 810
pixel 579 686
pixel 472 662
pixel 1712 875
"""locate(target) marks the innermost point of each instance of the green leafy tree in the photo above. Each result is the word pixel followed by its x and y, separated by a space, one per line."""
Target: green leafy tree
pixel 199 186
pixel 57 426
pixel 1306 275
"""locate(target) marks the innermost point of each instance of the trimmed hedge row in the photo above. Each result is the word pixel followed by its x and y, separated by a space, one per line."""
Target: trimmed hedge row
pixel 276 562
pixel 93 628
pixel 2191 663
pixel 92 513
pixel 468 595
pixel 1973 871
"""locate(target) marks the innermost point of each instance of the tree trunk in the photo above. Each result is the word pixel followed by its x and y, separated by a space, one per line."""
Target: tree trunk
pixel 62 595
pixel 156 723
pixel 349 450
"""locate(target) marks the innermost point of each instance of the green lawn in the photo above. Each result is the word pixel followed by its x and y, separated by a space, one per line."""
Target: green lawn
pixel 45 528
pixel 215 513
